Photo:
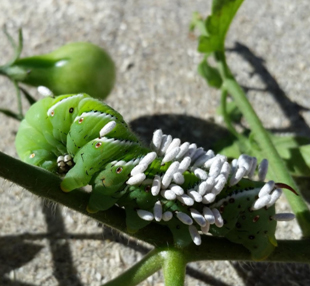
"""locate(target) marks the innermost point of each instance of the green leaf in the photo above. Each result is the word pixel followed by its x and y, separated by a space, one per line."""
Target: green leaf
pixel 217 24
pixel 210 74
pixel 297 160
pixel 232 110
pixel 208 44
pixel 288 141
pixel 294 150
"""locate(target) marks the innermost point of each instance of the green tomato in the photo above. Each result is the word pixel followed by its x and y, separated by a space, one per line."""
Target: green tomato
pixel 73 68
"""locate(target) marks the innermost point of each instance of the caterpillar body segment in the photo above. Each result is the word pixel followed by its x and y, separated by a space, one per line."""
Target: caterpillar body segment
pixel 180 185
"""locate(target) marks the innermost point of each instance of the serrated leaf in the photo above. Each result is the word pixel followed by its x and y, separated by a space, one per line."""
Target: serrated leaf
pixel 295 151
pixel 289 141
pixel 297 160
pixel 217 24
pixel 210 74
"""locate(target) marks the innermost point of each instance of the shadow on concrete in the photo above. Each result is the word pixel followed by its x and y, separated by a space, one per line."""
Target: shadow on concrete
pixel 290 109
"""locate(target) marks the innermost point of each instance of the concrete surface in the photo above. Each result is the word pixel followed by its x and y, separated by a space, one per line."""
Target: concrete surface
pixel 157 86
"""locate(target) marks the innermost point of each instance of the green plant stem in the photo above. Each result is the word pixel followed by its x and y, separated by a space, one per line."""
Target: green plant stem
pixel 225 115
pixel 147 266
pixel 174 267
pixel 46 185
pixel 277 166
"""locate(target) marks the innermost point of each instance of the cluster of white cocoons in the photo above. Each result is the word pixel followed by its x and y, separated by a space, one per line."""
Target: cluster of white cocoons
pixel 213 171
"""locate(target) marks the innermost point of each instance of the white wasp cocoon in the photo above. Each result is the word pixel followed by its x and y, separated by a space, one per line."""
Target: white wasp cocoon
pixel 183 217
pixel 283 216
pixel 218 218
pixel 186 200
pixel 208 198
pixel 215 160
pixel 158 211
pixel 262 170
pixel 140 168
pixel 191 150
pixel 194 195
pixel 145 215
pixel 148 158
pixel 155 189
pixel 184 164
pixel 205 229
pixel 234 165
pixel 165 143
pixel 237 176
pixel 198 217
pixel 173 168
pixel 216 166
pixel 253 167
pixel 194 234
pixel 177 190
pixel 275 195
pixel 183 150
pixel 199 151
pixel 226 168
pixel 266 189
pixel 201 174
pixel 201 160
pixel 171 155
pixel 261 202
pixel 220 183
pixel 43 90
pixel 107 128
pixel 245 161
pixel 202 188
pixel 178 178
pixel 209 215
pixel 168 194
pixel 156 140
pixel 167 216
pixel 137 179
pixel 207 186
pixel 175 143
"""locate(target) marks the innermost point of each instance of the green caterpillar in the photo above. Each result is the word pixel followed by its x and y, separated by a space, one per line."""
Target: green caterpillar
pixel 189 190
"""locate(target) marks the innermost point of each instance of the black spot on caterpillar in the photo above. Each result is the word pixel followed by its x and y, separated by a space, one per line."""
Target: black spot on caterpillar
pixel 186 188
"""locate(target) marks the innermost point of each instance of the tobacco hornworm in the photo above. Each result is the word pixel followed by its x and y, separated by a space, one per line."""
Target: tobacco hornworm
pixel 186 188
